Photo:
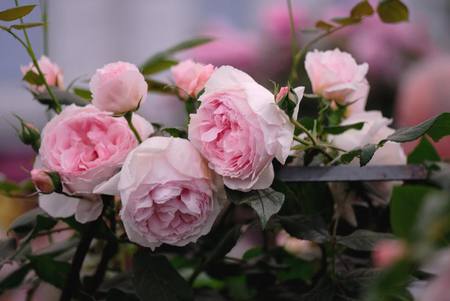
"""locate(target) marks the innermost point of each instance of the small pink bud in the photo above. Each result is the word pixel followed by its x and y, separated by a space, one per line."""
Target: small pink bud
pixel 42 181
pixel 387 252
pixel 282 94
pixel 304 249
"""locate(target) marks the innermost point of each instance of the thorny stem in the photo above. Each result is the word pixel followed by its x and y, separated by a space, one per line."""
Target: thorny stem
pixel 29 49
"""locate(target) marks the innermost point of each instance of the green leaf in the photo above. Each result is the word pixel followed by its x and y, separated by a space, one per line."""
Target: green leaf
pixel 9 188
pixel 27 25
pixel 362 9
pixel 424 151
pixel 405 205
pixel 158 65
pixel 367 153
pixel 252 253
pixel 305 227
pixel 436 127
pixel 336 130
pixel 225 245
pixel 64 97
pixel 175 132
pixel 347 20
pixel 50 270
pixel 14 279
pixel 324 25
pixel 392 11
pixel 83 93
pixel 363 240
pixel 25 222
pixel 162 60
pixel 33 78
pixel 16 12
pixel 160 87
pixel 155 279
pixel 118 295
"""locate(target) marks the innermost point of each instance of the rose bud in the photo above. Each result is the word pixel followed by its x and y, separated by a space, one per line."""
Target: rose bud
pixel 303 249
pixel 29 134
pixel 118 87
pixel 42 180
pixel 282 93
pixel 387 252
pixel 335 75
pixel 190 77
pixel 52 73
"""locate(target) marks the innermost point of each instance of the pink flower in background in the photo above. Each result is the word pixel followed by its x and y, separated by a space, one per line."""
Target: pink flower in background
pixel 424 92
pixel 335 75
pixel 168 193
pixel 85 146
pixel 42 180
pixel 190 77
pixel 304 249
pixel 387 252
pixel 118 87
pixel 229 47
pixel 52 73
pixel 239 129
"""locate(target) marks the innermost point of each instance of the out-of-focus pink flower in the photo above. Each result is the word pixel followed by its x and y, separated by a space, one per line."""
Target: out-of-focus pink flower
pixel 304 249
pixel 425 92
pixel 168 193
pixel 190 77
pixel 52 73
pixel 387 252
pixel 230 47
pixel 42 180
pixel 118 87
pixel 240 129
pixel 335 75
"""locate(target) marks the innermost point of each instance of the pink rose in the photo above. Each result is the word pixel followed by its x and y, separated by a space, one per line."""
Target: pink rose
pixel 118 87
pixel 52 73
pixel 168 193
pixel 190 78
pixel 42 180
pixel 387 252
pixel 335 75
pixel 239 129
pixel 85 146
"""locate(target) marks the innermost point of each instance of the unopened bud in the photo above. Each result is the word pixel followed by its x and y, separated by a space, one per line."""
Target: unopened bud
pixel 304 249
pixel 29 134
pixel 42 180
pixel 282 94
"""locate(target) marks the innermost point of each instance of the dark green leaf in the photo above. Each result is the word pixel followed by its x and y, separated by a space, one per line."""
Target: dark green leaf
pixel 9 188
pixel 191 105
pixel 7 248
pixel 362 9
pixel 367 153
pixel 392 11
pixel 83 93
pixel 225 245
pixel 64 97
pixel 347 20
pixel 175 132
pixel 252 253
pixel 118 295
pixel 423 152
pixel 27 25
pixel 305 227
pixel 158 65
pixel 436 127
pixel 336 130
pixel 324 25
pixel 33 78
pixel 363 240
pixel 288 103
pixel 50 270
pixel 14 279
pixel 155 279
pixel 265 202
pixel 188 44
pixel 160 87
pixel 405 205
pixel 15 13
pixel 25 222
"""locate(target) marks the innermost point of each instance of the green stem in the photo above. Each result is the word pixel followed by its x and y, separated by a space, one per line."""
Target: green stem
pixel 300 54
pixel 294 45
pixel 305 130
pixel 29 48
pixel 44 16
pixel 129 116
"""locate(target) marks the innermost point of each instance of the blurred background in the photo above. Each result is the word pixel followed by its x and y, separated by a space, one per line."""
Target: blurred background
pixel 409 62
